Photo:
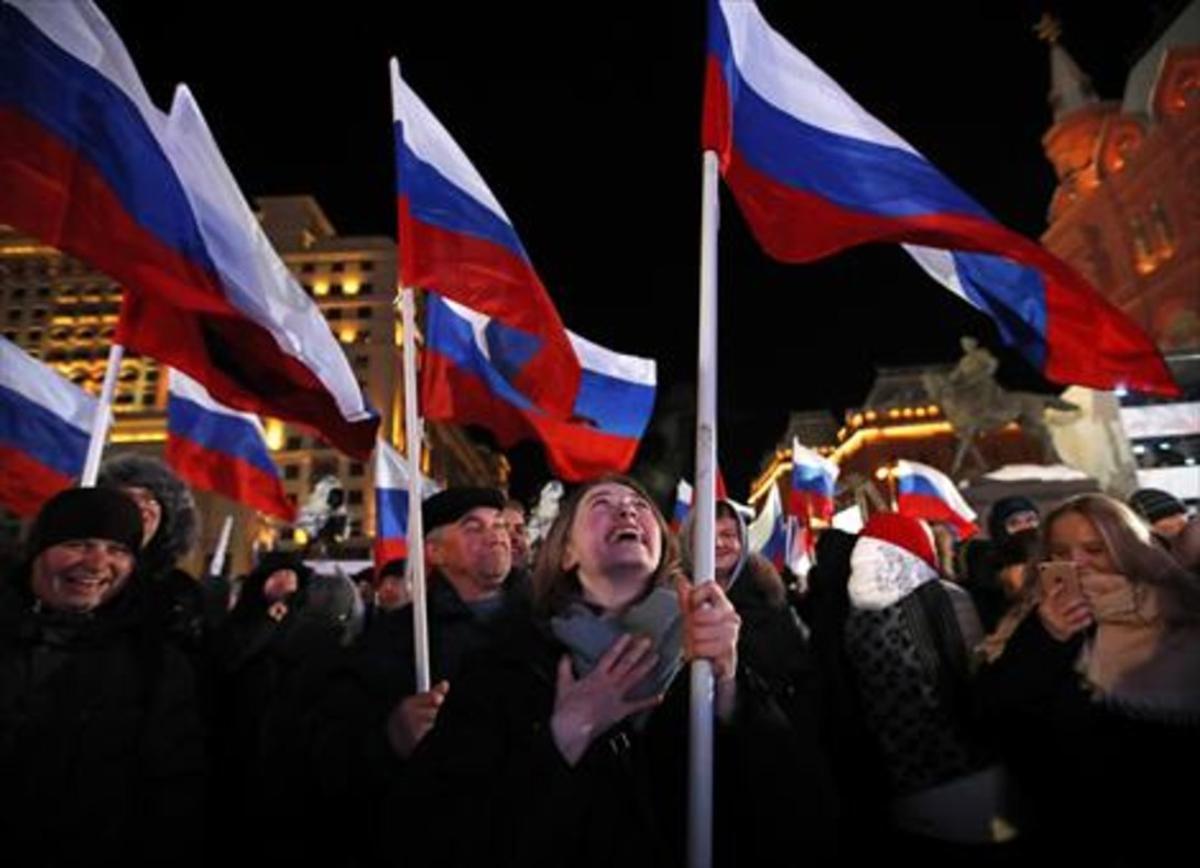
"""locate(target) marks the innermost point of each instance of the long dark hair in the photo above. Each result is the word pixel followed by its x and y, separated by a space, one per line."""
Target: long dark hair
pixel 553 587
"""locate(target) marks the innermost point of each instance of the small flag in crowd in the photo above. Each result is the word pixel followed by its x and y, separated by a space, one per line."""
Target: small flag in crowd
pixel 218 449
pixel 925 492
pixel 814 480
pixel 391 504
pixel 45 421
pixel 767 534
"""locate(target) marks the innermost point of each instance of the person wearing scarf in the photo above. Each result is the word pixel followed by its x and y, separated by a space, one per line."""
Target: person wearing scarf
pixel 567 744
pixel 1096 693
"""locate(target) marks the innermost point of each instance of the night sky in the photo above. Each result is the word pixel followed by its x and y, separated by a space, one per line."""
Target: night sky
pixel 584 120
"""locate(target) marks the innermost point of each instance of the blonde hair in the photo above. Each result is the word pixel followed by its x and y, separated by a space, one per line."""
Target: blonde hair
pixel 552 586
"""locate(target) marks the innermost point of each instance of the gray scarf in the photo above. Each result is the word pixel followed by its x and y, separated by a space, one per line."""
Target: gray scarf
pixel 589 636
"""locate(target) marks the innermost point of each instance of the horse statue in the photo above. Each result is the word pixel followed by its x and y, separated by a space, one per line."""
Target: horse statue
pixel 974 403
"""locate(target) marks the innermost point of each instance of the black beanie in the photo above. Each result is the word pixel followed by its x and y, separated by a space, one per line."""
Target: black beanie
pixel 1154 503
pixel 85 513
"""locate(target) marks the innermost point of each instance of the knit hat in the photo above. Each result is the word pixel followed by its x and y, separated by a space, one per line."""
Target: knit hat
pixel 1153 504
pixel 85 513
pixel 894 556
pixel 1004 509
pixel 447 507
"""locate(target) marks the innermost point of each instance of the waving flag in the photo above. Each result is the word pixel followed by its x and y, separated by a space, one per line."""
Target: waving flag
pixel 462 380
pixel 218 449
pixel 683 504
pixel 45 421
pixel 925 492
pixel 814 478
pixel 90 165
pixel 814 173
pixel 456 240
pixel 767 534
pixel 391 504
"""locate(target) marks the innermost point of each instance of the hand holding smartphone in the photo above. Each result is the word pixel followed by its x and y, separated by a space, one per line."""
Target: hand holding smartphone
pixel 1053 575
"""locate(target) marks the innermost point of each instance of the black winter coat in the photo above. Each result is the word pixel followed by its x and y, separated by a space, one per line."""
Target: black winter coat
pixel 1102 785
pixel 101 743
pixel 488 786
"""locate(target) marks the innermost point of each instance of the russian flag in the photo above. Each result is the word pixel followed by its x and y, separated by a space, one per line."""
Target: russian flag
pixel 925 492
pixel 45 422
pixel 456 240
pixel 767 534
pixel 814 479
pixel 683 505
pixel 814 173
pixel 391 504
pixel 222 450
pixel 90 165
pixel 463 380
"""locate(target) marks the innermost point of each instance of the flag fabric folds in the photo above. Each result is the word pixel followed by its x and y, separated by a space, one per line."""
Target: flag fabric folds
pixel 456 240
pixel 391 504
pixel 767 533
pixel 814 173
pixel 90 165
pixel 814 479
pixel 225 451
pixel 45 422
pixel 925 492
pixel 463 380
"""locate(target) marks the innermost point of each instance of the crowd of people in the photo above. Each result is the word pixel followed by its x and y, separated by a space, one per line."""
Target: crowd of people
pixel 1029 697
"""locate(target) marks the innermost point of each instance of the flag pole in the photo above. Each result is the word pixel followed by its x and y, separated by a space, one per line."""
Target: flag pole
pixel 406 299
pixel 700 741
pixel 218 558
pixel 416 531
pixel 100 425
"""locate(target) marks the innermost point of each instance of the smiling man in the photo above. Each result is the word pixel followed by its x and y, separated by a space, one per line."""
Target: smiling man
pixel 101 746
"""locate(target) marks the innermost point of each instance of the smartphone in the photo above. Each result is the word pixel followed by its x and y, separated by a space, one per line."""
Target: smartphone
pixel 1055 574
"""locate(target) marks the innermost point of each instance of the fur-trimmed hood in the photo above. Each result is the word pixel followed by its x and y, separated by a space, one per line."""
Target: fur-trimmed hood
pixel 178 529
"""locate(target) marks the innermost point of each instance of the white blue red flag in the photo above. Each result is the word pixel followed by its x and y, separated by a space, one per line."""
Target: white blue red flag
pixel 45 422
pixel 767 533
pixel 814 173
pixel 90 165
pixel 814 480
pixel 463 380
pixel 925 492
pixel 456 240
pixel 391 504
pixel 225 451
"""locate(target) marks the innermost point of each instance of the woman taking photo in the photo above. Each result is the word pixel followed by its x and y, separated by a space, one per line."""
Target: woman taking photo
pixel 1096 694
pixel 568 745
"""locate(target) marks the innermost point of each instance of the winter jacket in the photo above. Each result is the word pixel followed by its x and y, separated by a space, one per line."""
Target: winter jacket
pixel 489 787
pixel 101 742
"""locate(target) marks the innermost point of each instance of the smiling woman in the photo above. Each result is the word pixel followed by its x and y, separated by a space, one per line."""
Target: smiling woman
pixel 567 744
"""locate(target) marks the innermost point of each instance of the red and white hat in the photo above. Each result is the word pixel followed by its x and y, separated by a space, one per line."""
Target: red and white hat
pixel 894 556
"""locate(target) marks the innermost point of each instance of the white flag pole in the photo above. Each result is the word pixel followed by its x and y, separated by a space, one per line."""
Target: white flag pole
pixel 218 558
pixel 700 742
pixel 412 441
pixel 416 531
pixel 100 425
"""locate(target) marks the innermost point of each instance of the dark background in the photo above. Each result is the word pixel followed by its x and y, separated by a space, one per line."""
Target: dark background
pixel 584 120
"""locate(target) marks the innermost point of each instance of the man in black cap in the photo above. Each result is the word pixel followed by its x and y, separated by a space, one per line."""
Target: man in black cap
pixel 101 747
pixel 372 707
